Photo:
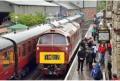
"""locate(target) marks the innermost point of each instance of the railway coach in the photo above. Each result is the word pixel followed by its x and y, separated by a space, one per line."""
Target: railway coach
pixel 17 52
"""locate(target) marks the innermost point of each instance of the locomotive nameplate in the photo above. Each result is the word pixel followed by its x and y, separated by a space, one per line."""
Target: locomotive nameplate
pixel 52 57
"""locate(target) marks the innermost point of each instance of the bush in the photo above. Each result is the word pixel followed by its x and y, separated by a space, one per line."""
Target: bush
pixel 101 5
pixel 28 19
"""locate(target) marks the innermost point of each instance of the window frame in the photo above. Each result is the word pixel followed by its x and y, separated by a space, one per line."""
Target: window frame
pixel 29 46
pixel 5 66
pixel 52 42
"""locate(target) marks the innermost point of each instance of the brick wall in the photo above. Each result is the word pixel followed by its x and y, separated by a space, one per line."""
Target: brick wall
pixel 89 13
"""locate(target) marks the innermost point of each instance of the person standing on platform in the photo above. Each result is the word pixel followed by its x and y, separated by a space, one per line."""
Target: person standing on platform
pixel 81 57
pixel 90 58
pixel 114 77
pixel 109 48
pixel 94 48
pixel 90 42
pixel 93 32
pixel 109 66
pixel 82 43
pixel 102 50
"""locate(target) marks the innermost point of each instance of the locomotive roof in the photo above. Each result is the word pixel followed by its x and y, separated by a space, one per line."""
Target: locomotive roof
pixel 24 35
pixel 4 43
pixel 69 28
pixel 66 29
pixel 66 20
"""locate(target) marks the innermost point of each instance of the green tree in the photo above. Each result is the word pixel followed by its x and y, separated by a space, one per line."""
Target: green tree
pixel 101 4
pixel 28 19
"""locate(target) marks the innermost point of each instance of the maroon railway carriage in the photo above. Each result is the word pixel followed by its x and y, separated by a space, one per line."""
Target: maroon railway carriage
pixel 25 46
pixel 56 47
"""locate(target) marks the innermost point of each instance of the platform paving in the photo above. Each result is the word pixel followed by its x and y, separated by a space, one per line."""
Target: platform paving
pixel 85 74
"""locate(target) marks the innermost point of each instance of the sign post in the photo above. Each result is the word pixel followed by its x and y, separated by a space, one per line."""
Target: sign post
pixel 103 31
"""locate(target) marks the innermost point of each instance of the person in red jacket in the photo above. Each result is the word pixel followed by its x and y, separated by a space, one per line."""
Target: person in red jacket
pixel 114 77
pixel 102 50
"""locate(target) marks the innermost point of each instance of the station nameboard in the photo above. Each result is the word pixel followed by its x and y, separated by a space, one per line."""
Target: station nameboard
pixel 103 35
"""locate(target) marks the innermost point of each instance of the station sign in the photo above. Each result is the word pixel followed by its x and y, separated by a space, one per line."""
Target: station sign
pixel 104 35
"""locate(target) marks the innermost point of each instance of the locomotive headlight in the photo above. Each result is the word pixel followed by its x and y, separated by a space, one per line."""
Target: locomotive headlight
pixel 66 48
pixel 37 48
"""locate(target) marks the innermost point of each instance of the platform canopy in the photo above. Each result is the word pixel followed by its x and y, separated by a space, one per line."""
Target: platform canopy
pixel 18 26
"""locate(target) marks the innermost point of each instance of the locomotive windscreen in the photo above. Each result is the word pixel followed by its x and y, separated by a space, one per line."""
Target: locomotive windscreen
pixel 52 38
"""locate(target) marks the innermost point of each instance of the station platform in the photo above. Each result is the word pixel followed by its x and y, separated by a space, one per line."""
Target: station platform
pixel 73 74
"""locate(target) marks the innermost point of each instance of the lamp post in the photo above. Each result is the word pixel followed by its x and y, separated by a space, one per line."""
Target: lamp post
pixel 16 17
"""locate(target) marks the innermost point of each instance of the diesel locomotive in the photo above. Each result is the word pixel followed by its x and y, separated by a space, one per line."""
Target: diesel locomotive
pixel 55 47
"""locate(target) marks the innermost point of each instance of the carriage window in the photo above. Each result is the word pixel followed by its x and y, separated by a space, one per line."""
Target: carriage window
pixel 6 59
pixel 23 50
pixel 45 39
pixel 18 51
pixel 59 39
pixel 29 46
pixel 34 43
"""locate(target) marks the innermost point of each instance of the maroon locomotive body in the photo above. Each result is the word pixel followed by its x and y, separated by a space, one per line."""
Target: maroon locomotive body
pixel 56 47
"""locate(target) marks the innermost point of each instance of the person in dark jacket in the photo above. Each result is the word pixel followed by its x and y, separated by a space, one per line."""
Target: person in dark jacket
pixel 109 48
pixel 109 66
pixel 90 42
pixel 81 58
pixel 82 43
pixel 90 58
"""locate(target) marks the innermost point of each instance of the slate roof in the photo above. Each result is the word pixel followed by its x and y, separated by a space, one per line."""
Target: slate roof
pixel 67 5
pixel 31 2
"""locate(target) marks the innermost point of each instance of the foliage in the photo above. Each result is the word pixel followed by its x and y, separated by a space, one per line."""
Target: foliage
pixel 28 19
pixel 101 4
pixel 87 23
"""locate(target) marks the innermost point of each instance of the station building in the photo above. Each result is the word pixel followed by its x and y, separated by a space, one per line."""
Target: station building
pixel 27 7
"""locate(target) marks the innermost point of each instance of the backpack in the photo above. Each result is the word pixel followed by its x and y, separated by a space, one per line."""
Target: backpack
pixel 95 73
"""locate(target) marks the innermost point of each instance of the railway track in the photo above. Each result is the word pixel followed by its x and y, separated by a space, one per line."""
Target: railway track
pixel 35 75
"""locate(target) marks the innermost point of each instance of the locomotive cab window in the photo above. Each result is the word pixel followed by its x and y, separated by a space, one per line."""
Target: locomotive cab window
pixel 52 39
pixel 45 39
pixel 59 39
